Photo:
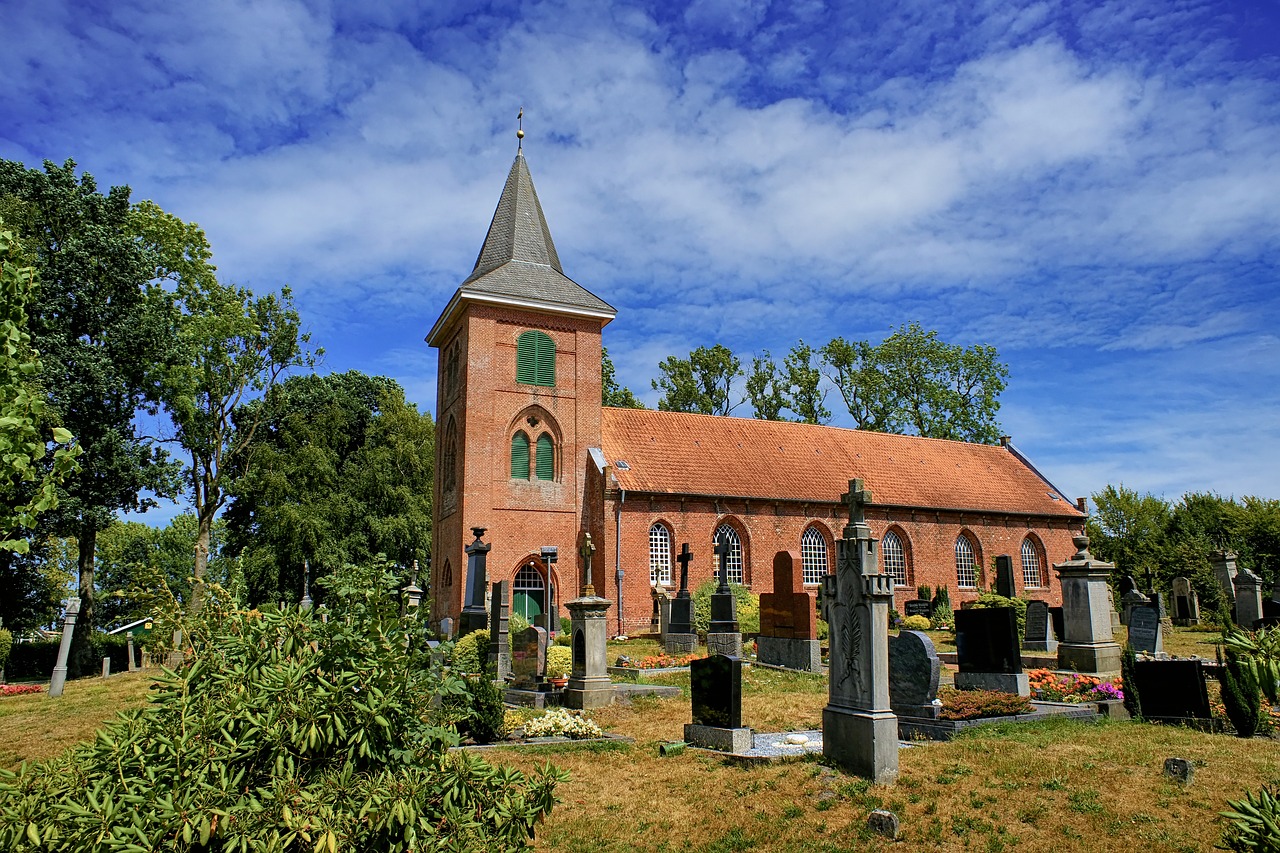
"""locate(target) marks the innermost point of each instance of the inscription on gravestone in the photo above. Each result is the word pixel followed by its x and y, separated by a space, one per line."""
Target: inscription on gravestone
pixel 987 640
pixel 1038 635
pixel 918 607
pixel 1172 689
pixel 1144 630
pixel 715 686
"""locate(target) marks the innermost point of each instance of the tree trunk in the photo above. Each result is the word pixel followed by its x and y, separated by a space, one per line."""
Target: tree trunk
pixel 81 650
pixel 204 527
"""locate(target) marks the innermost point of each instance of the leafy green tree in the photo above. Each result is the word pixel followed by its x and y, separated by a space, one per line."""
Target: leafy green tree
pixel 613 394
pixel 854 367
pixel 99 328
pixel 25 489
pixel 1128 528
pixel 701 383
pixel 764 389
pixel 794 386
pixel 339 470
pixel 34 584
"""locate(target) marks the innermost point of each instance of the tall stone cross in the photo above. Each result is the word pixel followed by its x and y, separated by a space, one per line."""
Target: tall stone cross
pixel 857 499
pixel 722 551
pixel 588 548
pixel 684 558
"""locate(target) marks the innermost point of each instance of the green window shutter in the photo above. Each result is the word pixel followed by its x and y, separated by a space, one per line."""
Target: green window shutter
pixel 536 359
pixel 520 457
pixel 546 361
pixel 546 458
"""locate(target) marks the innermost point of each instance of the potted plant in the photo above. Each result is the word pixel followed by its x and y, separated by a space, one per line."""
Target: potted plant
pixel 559 665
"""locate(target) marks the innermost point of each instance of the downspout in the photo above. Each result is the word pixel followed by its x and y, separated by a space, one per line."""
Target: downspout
pixel 617 551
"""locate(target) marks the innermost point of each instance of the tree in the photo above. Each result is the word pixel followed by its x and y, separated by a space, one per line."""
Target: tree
pixel 230 346
pixel 99 329
pixel 856 371
pixel 34 584
pixel 613 394
pixel 341 470
pixel 25 490
pixel 794 387
pixel 764 389
pixel 702 383
pixel 1128 528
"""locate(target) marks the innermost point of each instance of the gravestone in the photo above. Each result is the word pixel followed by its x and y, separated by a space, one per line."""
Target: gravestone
pixel 589 684
pixel 987 651
pixel 715 687
pixel 446 628
pixel 723 636
pixel 499 631
pixel 918 607
pixel 474 615
pixel 1086 644
pixel 129 647
pixel 1128 585
pixel 1038 634
pixel 1145 634
pixel 1186 606
pixel 1059 621
pixel 1224 569
pixel 529 658
pixel 661 611
pixel 859 729
pixel 1004 576
pixel 788 634
pixel 681 638
pixel 1130 600
pixel 914 671
pixel 59 678
pixel 106 667
pixel 1172 690
pixel 1248 598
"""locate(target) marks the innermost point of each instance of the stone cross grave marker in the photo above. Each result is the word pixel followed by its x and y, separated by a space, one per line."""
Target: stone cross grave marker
pixel 859 731
pixel 529 657
pixel 681 639
pixel 1186 605
pixel 1038 634
pixel 987 651
pixel 499 631
pixel 715 687
pixel 788 635
pixel 723 636
pixel 1145 634
pixel 586 551
pixel 914 671
pixel 1004 576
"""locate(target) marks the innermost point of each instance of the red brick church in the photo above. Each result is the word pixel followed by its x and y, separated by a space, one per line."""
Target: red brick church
pixel 525 449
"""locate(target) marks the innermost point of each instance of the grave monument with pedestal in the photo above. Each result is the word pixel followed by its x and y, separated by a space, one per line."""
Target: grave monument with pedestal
pixel 589 684
pixel 681 638
pixel 1087 644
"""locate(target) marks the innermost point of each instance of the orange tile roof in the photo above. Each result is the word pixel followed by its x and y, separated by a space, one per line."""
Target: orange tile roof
pixel 677 453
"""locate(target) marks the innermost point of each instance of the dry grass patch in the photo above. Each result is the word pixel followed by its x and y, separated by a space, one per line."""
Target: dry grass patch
pixel 34 727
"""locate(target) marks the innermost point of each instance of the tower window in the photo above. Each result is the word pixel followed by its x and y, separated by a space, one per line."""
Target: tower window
pixel 536 359
pixel 520 456
pixel 545 458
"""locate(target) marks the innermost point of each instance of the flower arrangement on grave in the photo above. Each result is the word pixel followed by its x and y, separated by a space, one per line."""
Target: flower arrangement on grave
pixel 977 704
pixel 661 660
pixel 559 662
pixel 561 722
pixel 1051 687
pixel 20 689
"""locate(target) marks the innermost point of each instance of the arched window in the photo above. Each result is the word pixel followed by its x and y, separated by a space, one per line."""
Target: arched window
pixel 446 576
pixel 1032 577
pixel 450 461
pixel 726 533
pixel 813 556
pixel 520 456
pixel 536 359
pixel 966 564
pixel 895 558
pixel 545 458
pixel 528 593
pixel 659 555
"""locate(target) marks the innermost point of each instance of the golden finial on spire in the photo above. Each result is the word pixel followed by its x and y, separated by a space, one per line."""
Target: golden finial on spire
pixel 520 129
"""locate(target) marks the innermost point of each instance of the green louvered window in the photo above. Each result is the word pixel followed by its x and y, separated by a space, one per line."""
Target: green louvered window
pixel 536 359
pixel 546 458
pixel 520 456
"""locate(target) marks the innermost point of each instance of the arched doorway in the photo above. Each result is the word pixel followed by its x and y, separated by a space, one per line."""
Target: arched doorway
pixel 529 591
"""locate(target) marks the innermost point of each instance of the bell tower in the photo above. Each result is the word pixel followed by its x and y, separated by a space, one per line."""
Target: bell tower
pixel 518 404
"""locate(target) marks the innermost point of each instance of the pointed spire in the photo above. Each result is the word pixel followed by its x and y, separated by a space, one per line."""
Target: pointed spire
pixel 519 229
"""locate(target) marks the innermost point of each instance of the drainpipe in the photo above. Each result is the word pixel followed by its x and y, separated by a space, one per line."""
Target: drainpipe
pixel 617 551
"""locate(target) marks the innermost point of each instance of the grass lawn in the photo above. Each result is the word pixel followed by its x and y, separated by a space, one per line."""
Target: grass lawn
pixel 1056 786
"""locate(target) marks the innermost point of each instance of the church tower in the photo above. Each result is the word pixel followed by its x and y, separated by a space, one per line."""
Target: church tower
pixel 518 407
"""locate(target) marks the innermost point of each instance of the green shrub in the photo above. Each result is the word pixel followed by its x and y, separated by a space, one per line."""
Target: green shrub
pixel 916 623
pixel 6 643
pixel 975 704
pixel 924 592
pixel 282 733
pixel 1129 663
pixel 1240 695
pixel 559 661
pixel 1253 823
pixel 823 629
pixel 990 600
pixel 471 653
pixel 516 624
pixel 563 639
pixel 748 607
pixel 488 712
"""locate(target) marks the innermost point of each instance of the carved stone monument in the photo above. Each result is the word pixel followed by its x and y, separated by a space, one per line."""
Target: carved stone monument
pixel 589 684
pixel 681 638
pixel 859 731
pixel 1086 644
pixel 788 635
pixel 1248 598
pixel 500 631
pixel 1145 634
pixel 914 672
pixel 1004 576
pixel 474 615
pixel 1186 604
pixel 723 636
pixel 987 651
pixel 1224 569
pixel 59 679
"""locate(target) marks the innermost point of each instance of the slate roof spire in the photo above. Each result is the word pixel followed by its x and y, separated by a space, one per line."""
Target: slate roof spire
pixel 519 229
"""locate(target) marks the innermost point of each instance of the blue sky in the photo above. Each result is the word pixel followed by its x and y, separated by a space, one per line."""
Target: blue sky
pixel 1093 188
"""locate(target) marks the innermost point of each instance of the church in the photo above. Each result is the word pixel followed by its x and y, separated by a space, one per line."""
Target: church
pixel 526 450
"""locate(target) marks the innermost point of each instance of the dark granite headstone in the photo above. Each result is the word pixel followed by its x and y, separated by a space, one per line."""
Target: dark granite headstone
pixel 529 657
pixel 918 607
pixel 1172 689
pixel 715 685
pixel 1144 630
pixel 1059 622
pixel 987 640
pixel 914 670
pixel 1127 585
pixel 1004 576
pixel 1038 633
pixel 1186 606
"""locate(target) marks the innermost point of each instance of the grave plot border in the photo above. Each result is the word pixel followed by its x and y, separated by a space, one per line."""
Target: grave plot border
pixel 922 728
